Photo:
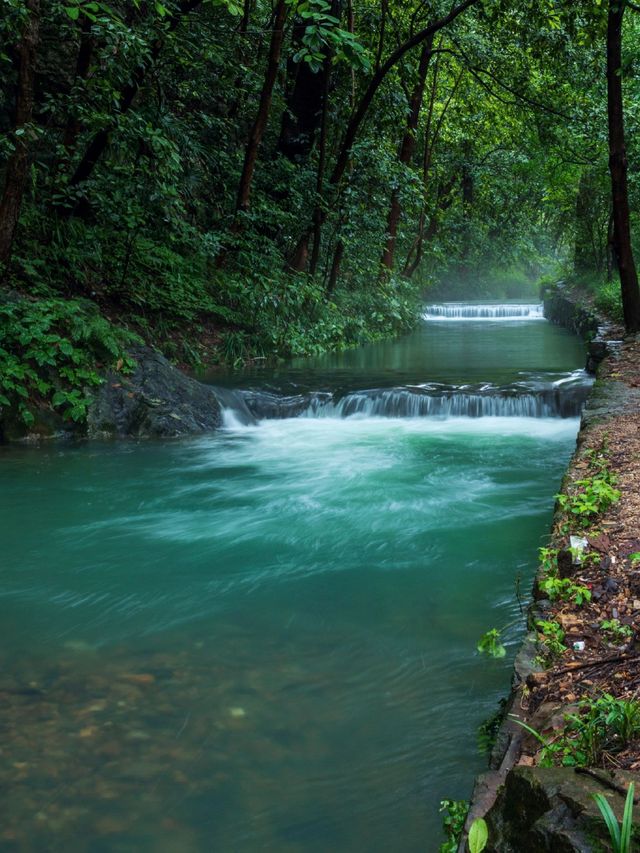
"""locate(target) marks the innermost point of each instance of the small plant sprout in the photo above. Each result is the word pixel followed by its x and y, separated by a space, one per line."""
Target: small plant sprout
pixel 552 636
pixel 615 631
pixel 594 496
pixel 548 560
pixel 635 559
pixel 565 589
pixel 490 644
pixel 620 835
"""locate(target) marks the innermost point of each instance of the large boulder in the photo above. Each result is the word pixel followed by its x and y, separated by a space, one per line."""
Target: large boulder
pixel 156 400
pixel 552 810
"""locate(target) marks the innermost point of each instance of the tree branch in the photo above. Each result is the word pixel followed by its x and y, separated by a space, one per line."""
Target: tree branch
pixel 376 80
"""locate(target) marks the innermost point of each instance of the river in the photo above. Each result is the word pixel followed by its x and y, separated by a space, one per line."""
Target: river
pixel 265 639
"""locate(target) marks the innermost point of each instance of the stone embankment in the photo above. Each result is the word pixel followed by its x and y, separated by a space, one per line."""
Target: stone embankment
pixel 531 808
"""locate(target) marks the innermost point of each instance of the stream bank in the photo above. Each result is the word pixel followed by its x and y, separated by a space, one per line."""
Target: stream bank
pixel 531 808
pixel 154 400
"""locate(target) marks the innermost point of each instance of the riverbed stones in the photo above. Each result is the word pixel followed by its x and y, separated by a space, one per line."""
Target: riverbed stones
pixel 156 400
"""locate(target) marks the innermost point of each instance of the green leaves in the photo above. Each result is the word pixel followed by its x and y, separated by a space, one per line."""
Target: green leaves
pixel 233 7
pixel 454 815
pixel 620 835
pixel 565 589
pixel 89 10
pixel 593 497
pixel 490 644
pixel 478 835
pixel 50 354
pixel 324 37
pixel 552 636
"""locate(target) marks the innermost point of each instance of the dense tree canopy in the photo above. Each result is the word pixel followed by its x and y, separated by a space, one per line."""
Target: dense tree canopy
pixel 275 176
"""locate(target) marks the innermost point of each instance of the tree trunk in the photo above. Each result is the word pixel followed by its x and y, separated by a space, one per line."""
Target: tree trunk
pixel 83 65
pixel 246 17
pixel 384 8
pixel 335 267
pixel 618 168
pixel 589 246
pixel 467 187
pixel 444 200
pixel 301 116
pixel 414 257
pixel 18 161
pixel 322 155
pixel 260 123
pixel 407 149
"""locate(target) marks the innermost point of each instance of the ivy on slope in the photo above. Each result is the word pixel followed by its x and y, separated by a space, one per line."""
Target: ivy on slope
pixel 52 352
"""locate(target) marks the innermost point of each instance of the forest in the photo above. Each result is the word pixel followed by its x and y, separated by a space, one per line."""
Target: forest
pixel 232 180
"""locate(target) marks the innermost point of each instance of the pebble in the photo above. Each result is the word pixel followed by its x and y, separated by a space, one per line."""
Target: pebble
pixel 139 677
pixel 138 734
pixel 237 712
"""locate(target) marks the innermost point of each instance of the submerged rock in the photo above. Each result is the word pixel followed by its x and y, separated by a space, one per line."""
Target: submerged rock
pixel 156 400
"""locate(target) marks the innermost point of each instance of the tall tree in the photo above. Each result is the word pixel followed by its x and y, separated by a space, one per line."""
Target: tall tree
pixel 262 116
pixel 618 168
pixel 18 161
pixel 407 149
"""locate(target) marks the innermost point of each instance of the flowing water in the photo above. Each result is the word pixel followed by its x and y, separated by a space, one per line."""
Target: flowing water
pixel 265 639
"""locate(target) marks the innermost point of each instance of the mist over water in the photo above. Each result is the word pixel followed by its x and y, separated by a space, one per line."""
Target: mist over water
pixel 265 639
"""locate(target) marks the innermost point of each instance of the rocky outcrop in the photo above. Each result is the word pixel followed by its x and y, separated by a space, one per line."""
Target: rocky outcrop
pixel 156 400
pixel 552 810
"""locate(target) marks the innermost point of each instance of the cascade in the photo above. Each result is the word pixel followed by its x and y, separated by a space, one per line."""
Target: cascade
pixel 484 311
pixel 563 398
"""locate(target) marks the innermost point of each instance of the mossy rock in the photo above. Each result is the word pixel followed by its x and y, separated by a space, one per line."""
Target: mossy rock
pixel 552 810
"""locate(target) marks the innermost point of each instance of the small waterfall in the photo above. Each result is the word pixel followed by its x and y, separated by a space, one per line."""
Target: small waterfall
pixel 482 311
pixel 563 398
pixel 235 411
pixel 454 402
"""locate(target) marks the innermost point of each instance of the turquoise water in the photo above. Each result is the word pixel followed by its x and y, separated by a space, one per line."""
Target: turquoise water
pixel 265 639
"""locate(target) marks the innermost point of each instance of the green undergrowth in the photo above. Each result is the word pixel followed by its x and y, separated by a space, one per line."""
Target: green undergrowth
pixel 454 814
pixel 601 727
pixel 603 293
pixel 585 500
pixel 54 345
pixel 170 289
pixel 609 301
pixel 51 354
pixel 596 290
pixel 292 316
